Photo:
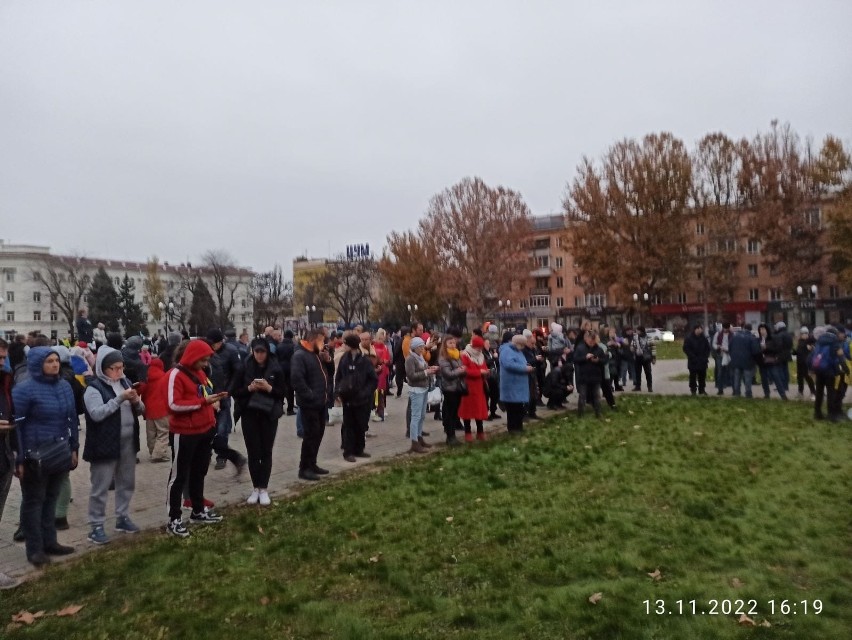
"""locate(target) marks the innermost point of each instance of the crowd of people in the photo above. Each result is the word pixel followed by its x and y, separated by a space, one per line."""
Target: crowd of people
pixel 191 392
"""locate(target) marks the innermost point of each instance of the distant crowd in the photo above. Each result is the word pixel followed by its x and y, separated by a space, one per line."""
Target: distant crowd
pixel 190 393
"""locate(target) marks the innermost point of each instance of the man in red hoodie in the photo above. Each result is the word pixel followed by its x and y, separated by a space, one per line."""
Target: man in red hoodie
pixel 155 392
pixel 192 426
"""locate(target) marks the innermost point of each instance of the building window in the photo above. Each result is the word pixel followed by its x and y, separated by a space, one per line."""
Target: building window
pixel 700 297
pixel 577 280
pixel 559 262
pixel 700 251
pixel 699 275
pixel 774 269
pixel 243 303
pixel 595 299
pixel 699 228
pixel 728 245
pixel 36 296
pixel 542 261
pixel 541 283
pixel 681 297
pixel 145 316
pixel 576 301
pixel 560 282
pixel 560 302
pixel 10 275
pixel 10 296
pixel 542 243
pixel 558 241
pixel 834 291
pixel 86 298
pixel 245 317
pixel 813 217
pixel 753 247
pixel 539 301
pixel 36 316
pixel 776 294
pixel 752 271
pixel 117 281
pixel 183 301
pixel 656 298
pixel 753 294
pixel 54 317
pixel 10 316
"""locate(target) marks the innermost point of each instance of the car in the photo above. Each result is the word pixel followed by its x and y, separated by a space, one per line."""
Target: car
pixel 660 335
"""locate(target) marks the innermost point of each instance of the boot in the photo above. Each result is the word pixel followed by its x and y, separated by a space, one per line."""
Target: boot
pixel 416 447
pixel 423 443
pixel 452 441
pixel 468 437
pixel 480 435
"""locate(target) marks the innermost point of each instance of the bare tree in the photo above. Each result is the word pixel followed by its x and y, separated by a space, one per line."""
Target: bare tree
pixel 226 279
pixel 66 280
pixel 346 287
pixel 153 288
pixel 272 296
pixel 478 236
pixel 409 276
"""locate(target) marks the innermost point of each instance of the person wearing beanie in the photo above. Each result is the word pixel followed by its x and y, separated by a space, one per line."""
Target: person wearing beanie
pixel 474 406
pixel 167 354
pixel 418 373
pixel 134 368
pixel 99 335
pixel 258 390
pixel 355 382
pixel 804 346
pixel 514 382
pixel 284 352
pixel 784 346
pixel 224 365
pixel 113 408
pixel 192 423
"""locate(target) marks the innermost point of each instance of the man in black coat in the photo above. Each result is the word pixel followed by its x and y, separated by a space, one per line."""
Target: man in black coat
pixel 589 361
pixel 697 350
pixel 285 355
pixel 309 378
pixel 354 383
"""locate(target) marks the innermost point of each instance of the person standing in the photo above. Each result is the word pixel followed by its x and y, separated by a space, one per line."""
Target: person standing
pixel 224 365
pixel 784 347
pixel 515 374
pixel 258 389
pixel 400 345
pixel 99 335
pixel 722 358
pixel 418 373
pixel 827 362
pixel 192 423
pixel 309 377
pixel 645 353
pixel 770 362
pixel 154 398
pixel 383 363
pixel 7 443
pixel 354 384
pixel 48 444
pixel 112 408
pixel 697 350
pixel 452 375
pixel 744 351
pixel 589 361
pixel 285 355
pixel 804 346
pixel 85 332
pixel 474 405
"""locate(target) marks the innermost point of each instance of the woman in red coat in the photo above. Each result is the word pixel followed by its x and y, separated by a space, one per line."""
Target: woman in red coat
pixel 474 405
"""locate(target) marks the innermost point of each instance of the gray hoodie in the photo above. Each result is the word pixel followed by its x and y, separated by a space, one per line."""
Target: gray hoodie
pixel 99 410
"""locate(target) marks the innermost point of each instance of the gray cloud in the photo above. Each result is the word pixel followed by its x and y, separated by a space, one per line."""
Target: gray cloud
pixel 275 128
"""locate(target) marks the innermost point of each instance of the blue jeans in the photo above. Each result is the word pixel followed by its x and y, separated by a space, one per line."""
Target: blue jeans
pixel 300 428
pixel 745 376
pixel 224 426
pixel 418 397
pixel 772 373
pixel 39 493
pixel 626 369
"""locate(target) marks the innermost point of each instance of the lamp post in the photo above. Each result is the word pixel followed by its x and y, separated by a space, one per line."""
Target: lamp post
pixel 800 291
pixel 636 299
pixel 508 305
pixel 310 309
pixel 412 309
pixel 168 310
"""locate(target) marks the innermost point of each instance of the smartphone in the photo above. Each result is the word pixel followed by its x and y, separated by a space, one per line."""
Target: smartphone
pixel 136 385
pixel 259 380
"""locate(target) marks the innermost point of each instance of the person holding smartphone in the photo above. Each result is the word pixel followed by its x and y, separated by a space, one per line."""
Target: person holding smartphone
pixel 192 427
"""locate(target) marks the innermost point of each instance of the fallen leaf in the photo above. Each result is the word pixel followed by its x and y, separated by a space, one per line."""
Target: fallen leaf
pixel 70 610
pixel 745 620
pixel 440 468
pixel 454 559
pixel 260 529
pixel 588 446
pixel 449 518
pixel 249 548
pixel 24 617
pixel 353 535
pixel 478 500
pixel 607 420
pixel 765 623
pixel 698 433
pixel 622 443
pixel 630 412
pixel 264 601
pixel 376 558
pixel 753 469
pixel 39 614
pixel 126 608
pixel 636 426
pixel 656 575
pixel 330 498
pixel 686 418
pixel 595 597
pixel 736 583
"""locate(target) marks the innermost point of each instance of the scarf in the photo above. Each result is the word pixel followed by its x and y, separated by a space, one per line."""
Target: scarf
pixel 419 359
pixel 453 354
pixel 475 355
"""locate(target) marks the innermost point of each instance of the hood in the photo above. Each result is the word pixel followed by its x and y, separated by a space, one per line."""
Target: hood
pixel 64 354
pixel 195 350
pixel 156 370
pixel 556 328
pixel 824 339
pixel 133 344
pixel 35 362
pixel 99 372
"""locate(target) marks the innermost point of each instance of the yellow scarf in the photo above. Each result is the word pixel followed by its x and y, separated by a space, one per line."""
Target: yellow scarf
pixel 453 353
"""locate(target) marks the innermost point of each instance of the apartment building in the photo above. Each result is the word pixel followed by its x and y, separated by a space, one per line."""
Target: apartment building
pixel 26 306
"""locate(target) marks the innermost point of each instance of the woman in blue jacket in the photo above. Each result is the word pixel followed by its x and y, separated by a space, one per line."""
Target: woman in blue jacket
pixel 514 382
pixel 45 414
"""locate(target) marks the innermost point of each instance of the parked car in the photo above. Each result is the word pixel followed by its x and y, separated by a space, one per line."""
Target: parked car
pixel 660 335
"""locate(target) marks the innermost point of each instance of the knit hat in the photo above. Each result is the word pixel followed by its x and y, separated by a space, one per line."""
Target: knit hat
pixel 416 343
pixel 477 342
pixel 111 358
pixel 804 331
pixel 174 338
pixel 259 343
pixel 527 333
pixel 64 353
pixel 353 342
pixel 831 330
pixel 780 325
pixel 215 335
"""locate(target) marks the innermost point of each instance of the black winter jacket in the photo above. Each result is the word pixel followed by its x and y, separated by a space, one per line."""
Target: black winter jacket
pixel 309 379
pixel 285 353
pixel 588 371
pixel 251 370
pixel 365 380
pixel 224 366
pixel 697 350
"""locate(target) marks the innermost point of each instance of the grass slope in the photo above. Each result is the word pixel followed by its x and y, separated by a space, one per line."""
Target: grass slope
pixel 713 493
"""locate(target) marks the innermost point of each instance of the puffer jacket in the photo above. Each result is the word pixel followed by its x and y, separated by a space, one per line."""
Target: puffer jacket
pixel 309 378
pixel 44 407
pixel 514 379
pixel 155 392
pixel 451 371
pixel 190 413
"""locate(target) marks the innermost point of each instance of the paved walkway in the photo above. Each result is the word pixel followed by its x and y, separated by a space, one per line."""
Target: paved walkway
pixel 148 506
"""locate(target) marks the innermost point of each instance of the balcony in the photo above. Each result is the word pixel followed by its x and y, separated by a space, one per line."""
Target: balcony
pixel 541 272
pixel 541 291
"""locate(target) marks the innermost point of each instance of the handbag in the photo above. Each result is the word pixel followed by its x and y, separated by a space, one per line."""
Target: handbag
pixel 261 402
pixel 50 457
pixel 462 386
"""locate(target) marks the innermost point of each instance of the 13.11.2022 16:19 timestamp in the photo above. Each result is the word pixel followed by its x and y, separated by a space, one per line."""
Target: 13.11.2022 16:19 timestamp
pixel 725 607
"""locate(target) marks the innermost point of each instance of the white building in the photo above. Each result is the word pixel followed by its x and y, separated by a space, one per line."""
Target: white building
pixel 26 305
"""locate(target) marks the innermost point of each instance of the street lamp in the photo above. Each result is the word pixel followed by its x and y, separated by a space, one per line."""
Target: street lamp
pixel 800 291
pixel 309 310
pixel 169 310
pixel 508 305
pixel 412 309
pixel 636 301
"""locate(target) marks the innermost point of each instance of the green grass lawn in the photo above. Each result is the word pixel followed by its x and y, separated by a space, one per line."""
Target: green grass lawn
pixel 730 500
pixel 670 350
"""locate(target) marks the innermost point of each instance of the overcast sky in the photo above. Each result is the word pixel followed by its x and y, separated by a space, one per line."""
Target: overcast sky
pixel 274 128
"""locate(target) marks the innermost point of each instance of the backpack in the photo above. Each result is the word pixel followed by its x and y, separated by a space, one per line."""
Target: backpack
pixel 350 383
pixel 823 360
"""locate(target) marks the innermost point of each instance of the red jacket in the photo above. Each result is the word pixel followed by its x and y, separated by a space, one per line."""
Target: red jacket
pixel 190 412
pixel 155 392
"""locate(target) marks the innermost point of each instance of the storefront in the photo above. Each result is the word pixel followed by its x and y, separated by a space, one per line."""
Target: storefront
pixel 611 316
pixel 811 313
pixel 679 317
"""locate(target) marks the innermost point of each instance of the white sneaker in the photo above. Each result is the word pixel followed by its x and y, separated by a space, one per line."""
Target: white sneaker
pixel 375 417
pixel 253 498
pixel 264 498
pixel 8 583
